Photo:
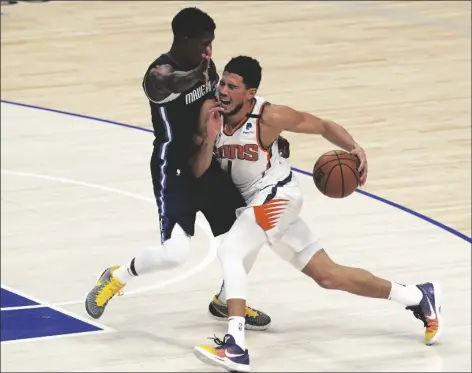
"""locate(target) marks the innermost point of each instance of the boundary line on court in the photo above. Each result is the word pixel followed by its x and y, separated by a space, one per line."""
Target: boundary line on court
pixel 303 172
pixel 207 260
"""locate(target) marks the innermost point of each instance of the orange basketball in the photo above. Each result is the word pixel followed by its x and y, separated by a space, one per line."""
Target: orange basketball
pixel 335 174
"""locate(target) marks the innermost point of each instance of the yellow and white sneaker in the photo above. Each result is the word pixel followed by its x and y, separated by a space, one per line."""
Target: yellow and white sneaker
pixel 106 288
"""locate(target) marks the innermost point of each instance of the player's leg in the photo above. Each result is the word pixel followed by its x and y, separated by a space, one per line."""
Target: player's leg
pixel 174 196
pixel 424 300
pixel 219 199
pixel 243 239
pixel 266 217
pixel 177 215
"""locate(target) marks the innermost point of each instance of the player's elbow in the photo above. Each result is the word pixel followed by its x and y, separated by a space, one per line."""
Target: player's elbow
pixel 310 125
pixel 326 126
pixel 153 90
pixel 199 170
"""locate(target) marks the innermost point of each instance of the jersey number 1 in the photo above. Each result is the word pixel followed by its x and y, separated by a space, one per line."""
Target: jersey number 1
pixel 230 165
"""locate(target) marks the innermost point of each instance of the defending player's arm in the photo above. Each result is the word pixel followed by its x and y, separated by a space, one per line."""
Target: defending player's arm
pixel 162 81
pixel 277 118
pixel 210 126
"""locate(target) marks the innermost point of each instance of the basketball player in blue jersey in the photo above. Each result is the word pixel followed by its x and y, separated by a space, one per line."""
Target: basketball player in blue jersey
pixel 176 85
pixel 245 140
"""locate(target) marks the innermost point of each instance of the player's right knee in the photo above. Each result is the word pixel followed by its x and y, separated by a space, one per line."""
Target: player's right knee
pixel 228 255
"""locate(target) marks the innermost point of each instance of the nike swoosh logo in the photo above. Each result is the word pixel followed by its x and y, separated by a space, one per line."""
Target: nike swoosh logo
pixel 232 355
pixel 433 314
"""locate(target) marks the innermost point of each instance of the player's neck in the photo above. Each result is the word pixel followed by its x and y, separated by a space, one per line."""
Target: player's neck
pixel 177 55
pixel 233 119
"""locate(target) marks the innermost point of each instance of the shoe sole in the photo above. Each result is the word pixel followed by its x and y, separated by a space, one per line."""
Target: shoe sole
pixel 247 326
pixel 94 316
pixel 209 359
pixel 437 310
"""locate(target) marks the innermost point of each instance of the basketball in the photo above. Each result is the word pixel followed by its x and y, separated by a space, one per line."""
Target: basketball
pixel 335 174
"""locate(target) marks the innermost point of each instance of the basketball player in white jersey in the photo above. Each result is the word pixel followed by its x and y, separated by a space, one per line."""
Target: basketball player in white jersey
pixel 243 128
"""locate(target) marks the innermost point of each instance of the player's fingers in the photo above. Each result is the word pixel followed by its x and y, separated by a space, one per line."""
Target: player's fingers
pixel 363 177
pixel 215 112
pixel 214 105
pixel 361 158
pixel 361 165
pixel 216 109
pixel 203 66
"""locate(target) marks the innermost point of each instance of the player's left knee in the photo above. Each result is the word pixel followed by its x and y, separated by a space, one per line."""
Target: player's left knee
pixel 327 278
pixel 324 271
pixel 229 255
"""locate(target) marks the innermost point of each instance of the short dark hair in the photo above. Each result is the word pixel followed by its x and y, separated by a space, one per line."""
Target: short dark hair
pixel 247 68
pixel 192 22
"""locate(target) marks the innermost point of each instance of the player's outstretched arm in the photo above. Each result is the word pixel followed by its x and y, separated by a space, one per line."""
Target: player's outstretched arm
pixel 278 118
pixel 162 81
pixel 209 128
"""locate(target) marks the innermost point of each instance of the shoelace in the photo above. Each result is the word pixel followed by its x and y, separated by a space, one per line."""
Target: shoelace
pixel 218 341
pixel 418 313
pixel 251 312
pixel 108 291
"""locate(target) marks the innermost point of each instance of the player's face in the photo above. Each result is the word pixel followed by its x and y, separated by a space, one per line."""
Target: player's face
pixel 197 46
pixel 233 93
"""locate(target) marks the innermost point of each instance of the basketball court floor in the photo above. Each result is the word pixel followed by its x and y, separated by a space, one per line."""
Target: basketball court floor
pixel 76 195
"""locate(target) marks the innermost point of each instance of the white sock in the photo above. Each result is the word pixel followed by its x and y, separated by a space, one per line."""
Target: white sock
pixel 407 295
pixel 236 329
pixel 123 273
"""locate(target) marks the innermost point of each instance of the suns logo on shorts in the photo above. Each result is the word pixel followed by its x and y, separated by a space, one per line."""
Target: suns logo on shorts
pixel 247 152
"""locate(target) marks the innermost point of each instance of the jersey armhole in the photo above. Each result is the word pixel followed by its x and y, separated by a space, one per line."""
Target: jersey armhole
pixel 258 125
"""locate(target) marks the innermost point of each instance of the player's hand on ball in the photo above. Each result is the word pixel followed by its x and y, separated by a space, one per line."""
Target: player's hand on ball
pixel 359 152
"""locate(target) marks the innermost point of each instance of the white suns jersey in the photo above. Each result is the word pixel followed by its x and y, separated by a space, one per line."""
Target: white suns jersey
pixel 240 153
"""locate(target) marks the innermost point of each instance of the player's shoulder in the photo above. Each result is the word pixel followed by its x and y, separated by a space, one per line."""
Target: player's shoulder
pixel 153 84
pixel 271 113
pixel 163 59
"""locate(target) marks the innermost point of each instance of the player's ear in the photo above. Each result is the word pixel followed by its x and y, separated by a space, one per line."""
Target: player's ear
pixel 251 92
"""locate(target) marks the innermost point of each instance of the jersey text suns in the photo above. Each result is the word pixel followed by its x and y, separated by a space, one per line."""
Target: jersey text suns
pixel 246 152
